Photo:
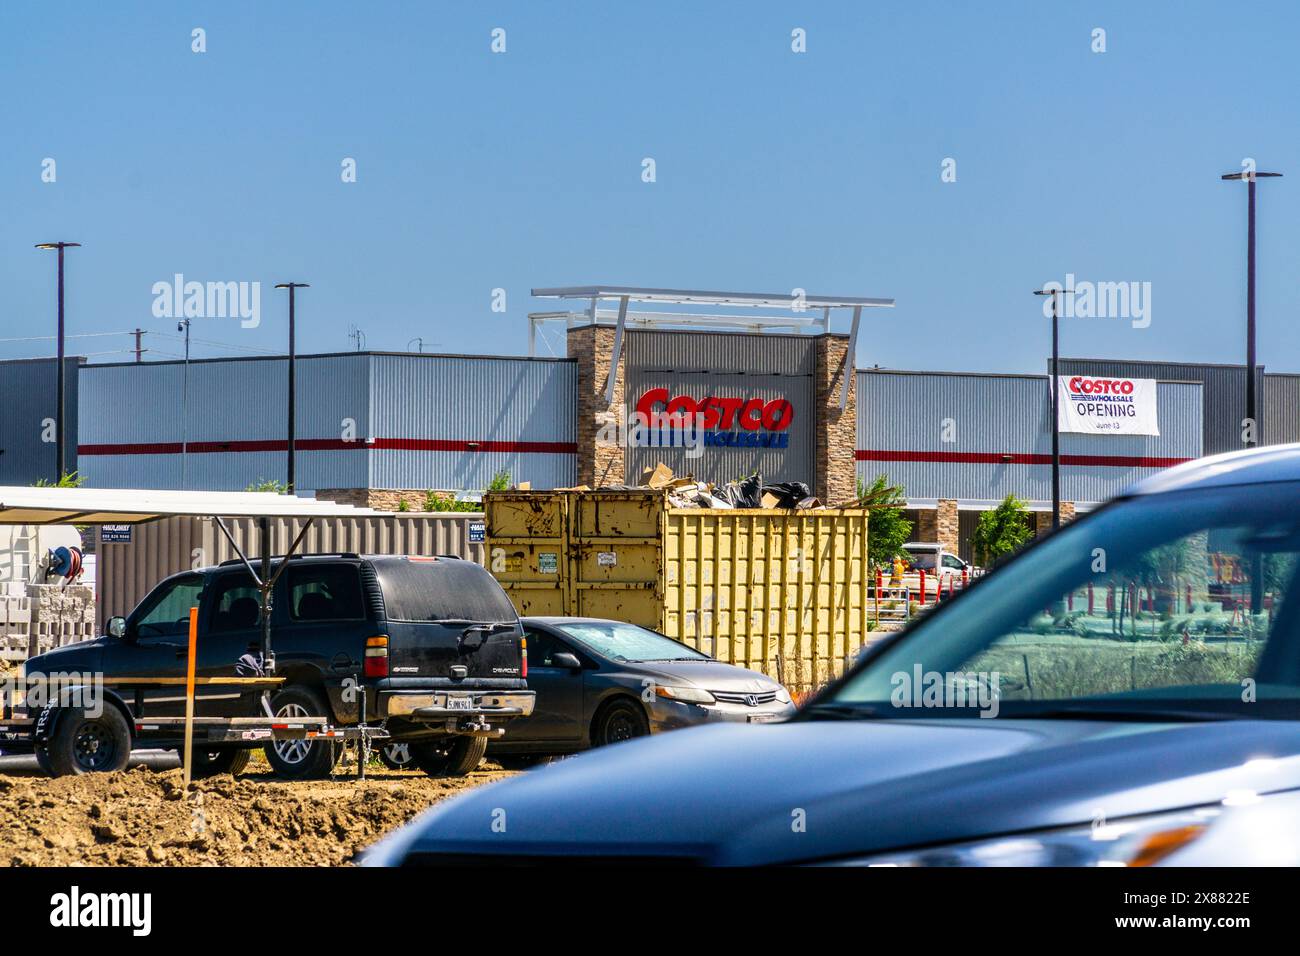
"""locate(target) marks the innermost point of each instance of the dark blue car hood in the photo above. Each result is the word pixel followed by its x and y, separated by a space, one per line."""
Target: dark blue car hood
pixel 732 794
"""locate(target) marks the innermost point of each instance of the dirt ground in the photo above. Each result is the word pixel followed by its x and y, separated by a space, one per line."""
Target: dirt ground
pixel 141 817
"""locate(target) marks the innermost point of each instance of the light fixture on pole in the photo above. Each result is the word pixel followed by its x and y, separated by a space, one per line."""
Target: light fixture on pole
pixel 1056 423
pixel 1251 430
pixel 292 287
pixel 59 463
pixel 1252 423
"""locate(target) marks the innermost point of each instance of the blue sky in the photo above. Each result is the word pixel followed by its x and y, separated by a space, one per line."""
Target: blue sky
pixel 775 170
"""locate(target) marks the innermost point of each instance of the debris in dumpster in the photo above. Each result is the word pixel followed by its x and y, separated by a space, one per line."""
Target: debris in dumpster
pixel 685 491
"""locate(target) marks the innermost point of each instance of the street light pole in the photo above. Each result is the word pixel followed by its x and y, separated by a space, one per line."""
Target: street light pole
pixel 1252 422
pixel 1056 399
pixel 184 326
pixel 292 287
pixel 60 466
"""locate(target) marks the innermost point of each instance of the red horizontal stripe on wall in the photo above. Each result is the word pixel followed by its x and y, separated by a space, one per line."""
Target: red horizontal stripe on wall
pixel 332 444
pixel 1021 458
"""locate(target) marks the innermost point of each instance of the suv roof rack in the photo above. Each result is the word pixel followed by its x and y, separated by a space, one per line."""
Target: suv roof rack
pixel 298 557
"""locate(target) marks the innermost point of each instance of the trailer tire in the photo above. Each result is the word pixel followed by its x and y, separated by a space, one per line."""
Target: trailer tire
pixel 300 759
pixel 82 744
pixel 454 757
pixel 209 763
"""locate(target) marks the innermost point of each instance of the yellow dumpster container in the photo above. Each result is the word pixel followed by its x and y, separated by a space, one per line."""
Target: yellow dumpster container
pixel 783 592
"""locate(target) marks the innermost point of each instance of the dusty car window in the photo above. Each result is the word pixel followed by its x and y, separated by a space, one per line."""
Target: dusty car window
pixel 627 642
pixel 1180 598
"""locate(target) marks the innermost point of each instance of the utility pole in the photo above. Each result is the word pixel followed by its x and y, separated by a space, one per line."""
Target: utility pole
pixel 1056 402
pixel 292 287
pixel 60 465
pixel 139 350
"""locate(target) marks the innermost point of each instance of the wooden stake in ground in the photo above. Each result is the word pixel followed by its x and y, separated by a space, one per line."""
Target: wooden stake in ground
pixel 187 755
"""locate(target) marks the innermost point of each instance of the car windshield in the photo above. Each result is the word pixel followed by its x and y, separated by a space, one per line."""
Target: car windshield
pixel 628 642
pixel 1176 606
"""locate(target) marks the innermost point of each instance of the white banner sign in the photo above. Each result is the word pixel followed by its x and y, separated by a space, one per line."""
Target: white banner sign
pixel 1107 406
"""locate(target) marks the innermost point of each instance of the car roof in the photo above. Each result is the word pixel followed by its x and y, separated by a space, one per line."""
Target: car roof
pixel 561 619
pixel 1249 467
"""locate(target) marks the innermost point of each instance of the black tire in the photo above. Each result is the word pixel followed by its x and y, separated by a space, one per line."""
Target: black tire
pixel 301 759
pixel 209 763
pixel 396 756
pixel 620 720
pixel 449 757
pixel 84 744
pixel 42 755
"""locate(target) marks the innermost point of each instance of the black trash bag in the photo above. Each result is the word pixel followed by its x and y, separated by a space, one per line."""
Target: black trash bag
pixel 746 493
pixel 788 493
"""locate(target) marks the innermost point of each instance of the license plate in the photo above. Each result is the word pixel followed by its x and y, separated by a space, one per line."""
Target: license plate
pixel 460 703
pixel 763 718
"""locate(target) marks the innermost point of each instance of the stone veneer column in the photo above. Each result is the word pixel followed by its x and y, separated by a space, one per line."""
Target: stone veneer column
pixel 927 526
pixel 598 462
pixel 947 525
pixel 835 431
pixel 1043 519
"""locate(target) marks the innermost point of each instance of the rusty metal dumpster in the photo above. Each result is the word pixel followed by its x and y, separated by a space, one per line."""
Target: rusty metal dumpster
pixel 784 592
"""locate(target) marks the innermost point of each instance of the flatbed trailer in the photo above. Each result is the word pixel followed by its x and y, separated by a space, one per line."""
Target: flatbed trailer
pixel 23 733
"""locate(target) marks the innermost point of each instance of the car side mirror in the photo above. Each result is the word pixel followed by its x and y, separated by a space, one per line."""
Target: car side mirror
pixel 117 627
pixel 565 659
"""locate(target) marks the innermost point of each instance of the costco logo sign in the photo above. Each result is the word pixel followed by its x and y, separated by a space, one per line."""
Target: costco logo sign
pixel 724 420
pixel 1107 406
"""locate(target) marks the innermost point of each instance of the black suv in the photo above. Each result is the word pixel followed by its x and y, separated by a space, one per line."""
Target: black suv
pixel 431 646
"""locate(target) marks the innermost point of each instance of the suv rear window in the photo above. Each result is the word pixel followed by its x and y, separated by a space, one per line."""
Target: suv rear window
pixel 325 592
pixel 443 590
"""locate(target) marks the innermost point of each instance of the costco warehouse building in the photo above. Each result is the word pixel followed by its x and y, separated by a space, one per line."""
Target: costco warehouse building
pixel 377 428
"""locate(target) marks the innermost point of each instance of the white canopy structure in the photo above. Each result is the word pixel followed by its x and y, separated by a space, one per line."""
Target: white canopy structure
pixel 23 505
pixel 796 311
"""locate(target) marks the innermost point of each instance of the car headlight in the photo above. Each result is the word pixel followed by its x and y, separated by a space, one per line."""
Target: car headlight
pixel 1138 841
pixel 685 695
pixel 783 696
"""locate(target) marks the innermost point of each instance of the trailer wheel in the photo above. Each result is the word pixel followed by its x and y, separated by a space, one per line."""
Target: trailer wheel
pixel 451 757
pixel 301 759
pixel 209 763
pixel 84 744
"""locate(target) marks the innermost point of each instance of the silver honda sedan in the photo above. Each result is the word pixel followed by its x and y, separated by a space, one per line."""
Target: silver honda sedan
pixel 600 681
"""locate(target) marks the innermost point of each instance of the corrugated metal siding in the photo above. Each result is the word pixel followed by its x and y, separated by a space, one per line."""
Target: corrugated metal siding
pixel 127 572
pixel 29 390
pixel 1224 395
pixel 1281 413
pixel 471 399
pixel 991 414
pixel 756 366
pixel 229 401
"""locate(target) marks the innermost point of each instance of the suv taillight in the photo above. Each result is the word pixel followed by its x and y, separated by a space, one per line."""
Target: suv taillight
pixel 523 653
pixel 376 663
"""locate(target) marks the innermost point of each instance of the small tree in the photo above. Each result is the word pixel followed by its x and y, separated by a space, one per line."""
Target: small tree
pixel 887 529
pixel 269 485
pixel 70 479
pixel 1001 531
